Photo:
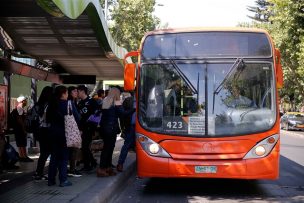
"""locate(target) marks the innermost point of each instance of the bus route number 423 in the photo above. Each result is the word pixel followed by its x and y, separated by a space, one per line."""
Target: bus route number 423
pixel 174 124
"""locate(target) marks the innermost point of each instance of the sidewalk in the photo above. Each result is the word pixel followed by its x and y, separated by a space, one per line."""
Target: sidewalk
pixel 87 188
pixel 294 133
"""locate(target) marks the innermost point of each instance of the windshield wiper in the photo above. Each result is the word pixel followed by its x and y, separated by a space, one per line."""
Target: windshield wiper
pixel 238 63
pixel 182 75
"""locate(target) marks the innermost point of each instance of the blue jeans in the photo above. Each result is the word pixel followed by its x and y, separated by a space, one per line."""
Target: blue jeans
pixel 59 160
pixel 129 142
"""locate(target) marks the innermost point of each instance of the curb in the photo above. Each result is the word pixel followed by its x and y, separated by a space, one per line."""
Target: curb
pixel 106 188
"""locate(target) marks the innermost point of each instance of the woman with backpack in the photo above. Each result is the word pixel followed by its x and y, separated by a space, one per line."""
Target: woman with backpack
pixel 42 133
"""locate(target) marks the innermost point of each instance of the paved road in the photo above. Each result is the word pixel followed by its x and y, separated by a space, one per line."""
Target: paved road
pixel 288 188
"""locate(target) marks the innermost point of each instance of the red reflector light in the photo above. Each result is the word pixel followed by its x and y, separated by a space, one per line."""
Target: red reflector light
pixel 271 140
pixel 141 139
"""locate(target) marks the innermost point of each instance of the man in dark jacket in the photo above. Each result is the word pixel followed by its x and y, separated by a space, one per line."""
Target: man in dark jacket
pixel 86 106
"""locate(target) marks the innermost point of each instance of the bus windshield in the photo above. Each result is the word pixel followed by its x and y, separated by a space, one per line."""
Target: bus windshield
pixel 221 100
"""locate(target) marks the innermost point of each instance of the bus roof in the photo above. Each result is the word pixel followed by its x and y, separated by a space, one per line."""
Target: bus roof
pixel 206 29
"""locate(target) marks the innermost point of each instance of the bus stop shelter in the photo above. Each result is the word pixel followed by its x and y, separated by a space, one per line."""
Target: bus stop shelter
pixel 69 37
pixel 67 42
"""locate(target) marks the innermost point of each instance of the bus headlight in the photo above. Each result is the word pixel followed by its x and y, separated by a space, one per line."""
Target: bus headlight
pixel 260 150
pixel 154 148
pixel 263 148
pixel 150 147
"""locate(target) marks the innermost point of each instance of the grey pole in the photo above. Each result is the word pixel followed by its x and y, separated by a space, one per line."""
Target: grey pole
pixel 33 145
pixel 33 91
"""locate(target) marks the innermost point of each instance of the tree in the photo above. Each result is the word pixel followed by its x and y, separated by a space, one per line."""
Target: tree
pixel 286 26
pixel 131 20
pixel 261 11
pixel 110 4
pixel 288 33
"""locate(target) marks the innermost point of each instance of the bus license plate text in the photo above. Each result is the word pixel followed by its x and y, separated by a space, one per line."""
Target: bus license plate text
pixel 205 169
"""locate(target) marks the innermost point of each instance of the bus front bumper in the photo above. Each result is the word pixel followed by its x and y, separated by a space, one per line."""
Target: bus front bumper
pixel 262 168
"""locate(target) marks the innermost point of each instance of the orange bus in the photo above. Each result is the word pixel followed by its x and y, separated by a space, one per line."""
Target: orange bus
pixel 207 103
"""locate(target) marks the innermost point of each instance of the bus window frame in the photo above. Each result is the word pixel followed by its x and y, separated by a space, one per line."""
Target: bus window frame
pixel 272 51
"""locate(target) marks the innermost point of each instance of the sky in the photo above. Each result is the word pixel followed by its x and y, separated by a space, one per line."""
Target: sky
pixel 203 13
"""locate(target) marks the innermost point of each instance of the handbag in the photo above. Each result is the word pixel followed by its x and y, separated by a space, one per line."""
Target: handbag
pixel 72 133
pixel 95 118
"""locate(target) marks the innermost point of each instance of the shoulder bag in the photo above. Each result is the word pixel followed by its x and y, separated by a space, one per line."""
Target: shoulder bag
pixel 72 133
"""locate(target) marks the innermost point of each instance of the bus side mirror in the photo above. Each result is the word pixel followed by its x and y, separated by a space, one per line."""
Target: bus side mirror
pixel 129 72
pixel 129 76
pixel 279 71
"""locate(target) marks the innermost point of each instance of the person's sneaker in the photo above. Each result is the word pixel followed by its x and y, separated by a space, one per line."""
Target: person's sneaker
pixel 74 173
pixel 37 177
pixel 70 173
pixel 65 184
pixel 40 177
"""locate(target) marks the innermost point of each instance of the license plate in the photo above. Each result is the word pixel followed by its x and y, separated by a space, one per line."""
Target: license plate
pixel 205 169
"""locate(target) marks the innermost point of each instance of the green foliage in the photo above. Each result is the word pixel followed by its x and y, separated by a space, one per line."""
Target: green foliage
pixel 109 2
pixel 288 34
pixel 286 27
pixel 110 5
pixel 132 19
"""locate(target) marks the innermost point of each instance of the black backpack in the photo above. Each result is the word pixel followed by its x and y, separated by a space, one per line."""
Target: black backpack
pixel 32 120
pixel 125 121
pixel 10 155
pixel 12 118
